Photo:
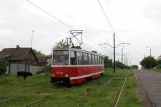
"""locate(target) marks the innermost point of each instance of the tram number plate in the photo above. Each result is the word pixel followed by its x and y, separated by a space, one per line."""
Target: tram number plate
pixel 60 73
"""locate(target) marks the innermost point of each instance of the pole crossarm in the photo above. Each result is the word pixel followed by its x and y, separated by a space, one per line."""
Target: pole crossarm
pixel 112 46
pixel 121 44
pixel 106 44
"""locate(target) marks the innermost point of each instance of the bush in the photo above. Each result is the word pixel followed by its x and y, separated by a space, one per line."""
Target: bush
pixel 2 70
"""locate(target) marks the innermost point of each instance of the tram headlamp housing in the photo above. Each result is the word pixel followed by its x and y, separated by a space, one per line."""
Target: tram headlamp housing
pixel 66 75
pixel 53 75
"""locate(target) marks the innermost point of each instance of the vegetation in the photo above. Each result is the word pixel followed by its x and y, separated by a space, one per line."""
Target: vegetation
pixel 37 52
pixel 146 62
pixel 39 87
pixel 129 95
pixel 61 44
pixel 135 66
pixel 108 64
pixel 158 63
pixel 3 65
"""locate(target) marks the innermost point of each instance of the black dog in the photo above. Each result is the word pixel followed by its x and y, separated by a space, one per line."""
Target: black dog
pixel 23 74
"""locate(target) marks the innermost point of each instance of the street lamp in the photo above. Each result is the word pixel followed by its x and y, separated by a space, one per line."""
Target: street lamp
pixel 150 56
pixel 32 37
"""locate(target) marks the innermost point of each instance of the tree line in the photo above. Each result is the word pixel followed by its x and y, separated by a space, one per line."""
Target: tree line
pixel 150 62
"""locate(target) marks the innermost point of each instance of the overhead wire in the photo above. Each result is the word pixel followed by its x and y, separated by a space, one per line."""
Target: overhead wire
pixel 50 15
pixel 54 17
pixel 106 16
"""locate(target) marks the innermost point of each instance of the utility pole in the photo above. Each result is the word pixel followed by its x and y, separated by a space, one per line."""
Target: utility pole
pixel 114 47
pixel 150 58
pixel 114 52
pixel 32 37
pixel 122 53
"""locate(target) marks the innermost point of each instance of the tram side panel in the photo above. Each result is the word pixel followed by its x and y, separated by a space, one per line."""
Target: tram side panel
pixel 87 72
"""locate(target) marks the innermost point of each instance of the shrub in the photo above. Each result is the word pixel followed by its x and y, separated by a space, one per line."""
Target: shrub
pixel 2 70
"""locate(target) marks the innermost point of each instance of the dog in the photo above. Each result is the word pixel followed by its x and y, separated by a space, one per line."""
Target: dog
pixel 24 74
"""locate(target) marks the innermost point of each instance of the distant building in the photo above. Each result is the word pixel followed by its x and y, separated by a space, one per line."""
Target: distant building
pixel 20 59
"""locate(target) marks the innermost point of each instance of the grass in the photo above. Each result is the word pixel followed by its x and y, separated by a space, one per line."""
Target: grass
pixel 128 97
pixel 37 88
pixel 157 69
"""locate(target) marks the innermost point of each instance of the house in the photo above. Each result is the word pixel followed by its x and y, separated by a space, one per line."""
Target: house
pixel 20 59
pixel 44 61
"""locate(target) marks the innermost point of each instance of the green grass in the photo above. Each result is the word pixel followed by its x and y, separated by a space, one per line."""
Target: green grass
pixel 157 69
pixel 128 97
pixel 37 88
pixel 119 72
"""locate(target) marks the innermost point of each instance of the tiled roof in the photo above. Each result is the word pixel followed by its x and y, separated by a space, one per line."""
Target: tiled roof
pixel 14 53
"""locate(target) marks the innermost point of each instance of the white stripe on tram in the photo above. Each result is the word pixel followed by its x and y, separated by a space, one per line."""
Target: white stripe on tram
pixel 83 76
pixel 74 65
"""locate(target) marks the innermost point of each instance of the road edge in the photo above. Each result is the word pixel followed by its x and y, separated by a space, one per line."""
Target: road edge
pixel 141 94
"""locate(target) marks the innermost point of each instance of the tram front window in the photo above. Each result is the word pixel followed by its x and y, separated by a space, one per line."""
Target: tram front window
pixel 60 57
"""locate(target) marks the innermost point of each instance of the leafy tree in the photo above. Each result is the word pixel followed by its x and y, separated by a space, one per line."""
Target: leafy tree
pixel 37 52
pixel 135 66
pixel 61 44
pixel 107 62
pixel 146 62
pixel 3 65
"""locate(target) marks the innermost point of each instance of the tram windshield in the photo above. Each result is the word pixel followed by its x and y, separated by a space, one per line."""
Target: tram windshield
pixel 61 57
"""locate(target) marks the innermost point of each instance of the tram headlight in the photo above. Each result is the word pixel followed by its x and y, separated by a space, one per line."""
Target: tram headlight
pixel 53 75
pixel 66 75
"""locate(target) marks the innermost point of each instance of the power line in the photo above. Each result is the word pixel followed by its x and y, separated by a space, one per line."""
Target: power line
pixel 106 15
pixel 53 16
pixel 49 14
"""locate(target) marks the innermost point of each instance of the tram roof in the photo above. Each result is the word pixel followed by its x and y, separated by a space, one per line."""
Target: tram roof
pixel 79 50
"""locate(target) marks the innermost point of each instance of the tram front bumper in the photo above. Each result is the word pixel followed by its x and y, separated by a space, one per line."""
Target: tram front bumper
pixel 57 79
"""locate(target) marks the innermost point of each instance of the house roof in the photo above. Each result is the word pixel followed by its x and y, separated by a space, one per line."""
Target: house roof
pixel 14 53
pixel 42 58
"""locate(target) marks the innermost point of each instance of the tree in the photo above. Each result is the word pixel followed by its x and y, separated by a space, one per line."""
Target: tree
pixel 135 66
pixel 3 65
pixel 61 44
pixel 37 52
pixel 158 63
pixel 107 62
pixel 146 62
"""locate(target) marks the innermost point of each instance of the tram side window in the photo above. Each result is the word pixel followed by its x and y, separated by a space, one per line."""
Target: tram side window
pixel 90 59
pixel 85 59
pixel 95 59
pixel 100 60
pixel 73 58
pixel 79 57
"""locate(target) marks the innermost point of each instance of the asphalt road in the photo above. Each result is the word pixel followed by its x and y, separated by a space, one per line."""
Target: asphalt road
pixel 151 83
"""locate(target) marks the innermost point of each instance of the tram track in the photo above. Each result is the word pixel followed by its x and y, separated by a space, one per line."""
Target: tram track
pixel 86 97
pixel 117 97
pixel 31 93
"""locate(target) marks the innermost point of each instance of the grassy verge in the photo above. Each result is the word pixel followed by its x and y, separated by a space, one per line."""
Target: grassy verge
pixel 157 69
pixel 129 97
pixel 37 88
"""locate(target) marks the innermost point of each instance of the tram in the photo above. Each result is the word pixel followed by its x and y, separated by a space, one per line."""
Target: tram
pixel 74 65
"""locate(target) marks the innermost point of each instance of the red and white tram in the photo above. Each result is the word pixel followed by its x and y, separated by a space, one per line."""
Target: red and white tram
pixel 74 65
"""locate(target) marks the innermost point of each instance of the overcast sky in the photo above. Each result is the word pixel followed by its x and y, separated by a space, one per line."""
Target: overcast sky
pixel 137 22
